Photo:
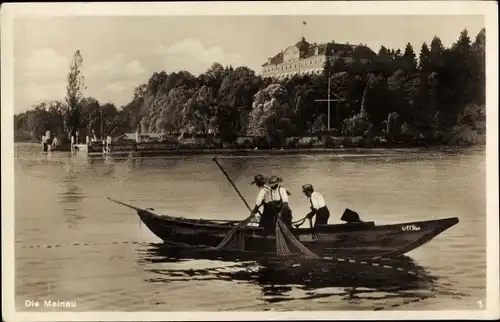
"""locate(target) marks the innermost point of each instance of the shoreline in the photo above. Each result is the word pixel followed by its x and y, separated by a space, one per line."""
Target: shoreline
pixel 186 151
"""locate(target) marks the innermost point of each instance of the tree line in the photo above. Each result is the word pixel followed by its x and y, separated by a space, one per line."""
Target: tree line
pixel 434 99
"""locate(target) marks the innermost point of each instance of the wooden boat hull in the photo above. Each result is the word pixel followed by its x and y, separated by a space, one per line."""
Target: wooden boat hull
pixel 353 240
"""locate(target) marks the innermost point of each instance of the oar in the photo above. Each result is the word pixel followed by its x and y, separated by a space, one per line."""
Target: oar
pixel 232 183
pixel 124 204
pixel 244 222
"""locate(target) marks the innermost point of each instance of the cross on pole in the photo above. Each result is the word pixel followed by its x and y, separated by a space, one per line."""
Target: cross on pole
pixel 337 99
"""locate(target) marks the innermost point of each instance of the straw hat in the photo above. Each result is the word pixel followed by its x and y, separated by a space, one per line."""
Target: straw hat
pixel 274 180
pixel 259 178
pixel 307 187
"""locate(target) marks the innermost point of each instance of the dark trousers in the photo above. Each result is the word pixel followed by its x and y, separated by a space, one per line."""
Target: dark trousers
pixel 269 216
pixel 322 216
pixel 267 219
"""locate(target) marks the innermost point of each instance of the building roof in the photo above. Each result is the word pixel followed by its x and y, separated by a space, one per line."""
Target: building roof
pixel 308 50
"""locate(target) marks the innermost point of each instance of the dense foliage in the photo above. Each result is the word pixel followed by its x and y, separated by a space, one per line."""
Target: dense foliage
pixel 438 98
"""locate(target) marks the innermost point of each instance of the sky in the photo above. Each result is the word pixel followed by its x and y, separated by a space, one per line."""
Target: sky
pixel 122 52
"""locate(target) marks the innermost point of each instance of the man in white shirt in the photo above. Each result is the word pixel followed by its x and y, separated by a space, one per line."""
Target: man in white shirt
pixel 274 198
pixel 318 205
pixel 278 201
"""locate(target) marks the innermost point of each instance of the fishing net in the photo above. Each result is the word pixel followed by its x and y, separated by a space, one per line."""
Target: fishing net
pixel 235 239
pixel 235 242
pixel 286 242
pixel 285 238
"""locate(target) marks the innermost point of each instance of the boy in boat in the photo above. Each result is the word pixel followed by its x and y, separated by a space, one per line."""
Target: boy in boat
pixel 318 205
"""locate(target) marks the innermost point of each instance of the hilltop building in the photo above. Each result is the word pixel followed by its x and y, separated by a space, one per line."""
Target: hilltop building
pixel 306 58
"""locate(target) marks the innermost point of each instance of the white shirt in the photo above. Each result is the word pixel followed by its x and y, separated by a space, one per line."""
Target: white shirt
pixel 317 200
pixel 278 194
pixel 263 196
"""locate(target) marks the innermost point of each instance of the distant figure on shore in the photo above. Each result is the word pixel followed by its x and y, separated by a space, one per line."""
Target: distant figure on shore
pixel 55 142
pixel 73 147
pixel 44 143
pixel 318 205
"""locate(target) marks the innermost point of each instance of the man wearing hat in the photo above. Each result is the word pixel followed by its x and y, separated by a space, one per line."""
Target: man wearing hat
pixel 278 201
pixel 274 198
pixel 318 205
pixel 262 198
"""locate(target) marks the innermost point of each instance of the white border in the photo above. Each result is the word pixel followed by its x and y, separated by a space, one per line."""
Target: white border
pixel 488 9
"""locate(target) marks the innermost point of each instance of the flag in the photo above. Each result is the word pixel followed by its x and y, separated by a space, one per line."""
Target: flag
pixel 304 23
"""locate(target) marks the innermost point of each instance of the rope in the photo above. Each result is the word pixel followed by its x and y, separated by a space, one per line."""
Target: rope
pixel 364 262
pixel 299 222
pixel 84 244
pixel 375 264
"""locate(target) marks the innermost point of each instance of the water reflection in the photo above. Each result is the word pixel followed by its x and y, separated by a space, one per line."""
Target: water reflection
pixel 71 198
pixel 281 280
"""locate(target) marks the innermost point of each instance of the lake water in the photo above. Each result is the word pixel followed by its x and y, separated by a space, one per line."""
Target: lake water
pixel 74 245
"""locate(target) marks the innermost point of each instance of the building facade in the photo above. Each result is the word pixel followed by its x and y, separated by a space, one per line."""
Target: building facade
pixel 305 58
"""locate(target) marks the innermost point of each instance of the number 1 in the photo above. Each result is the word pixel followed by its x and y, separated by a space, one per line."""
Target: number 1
pixel 480 302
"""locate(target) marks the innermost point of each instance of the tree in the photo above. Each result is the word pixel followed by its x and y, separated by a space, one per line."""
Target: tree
pixel 436 53
pixel 271 115
pixel 111 120
pixel 424 64
pixel 377 103
pixel 37 120
pixel 234 100
pixel 396 92
pixel 55 111
pixel 200 111
pixel 478 74
pixel 409 59
pixel 328 66
pixel 76 86
pixel 140 92
pixel 91 115
pixel 155 81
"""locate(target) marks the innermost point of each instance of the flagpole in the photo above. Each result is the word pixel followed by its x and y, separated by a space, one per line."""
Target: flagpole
pixel 328 101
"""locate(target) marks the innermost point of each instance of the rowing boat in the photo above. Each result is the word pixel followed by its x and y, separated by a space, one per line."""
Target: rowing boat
pixel 351 239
